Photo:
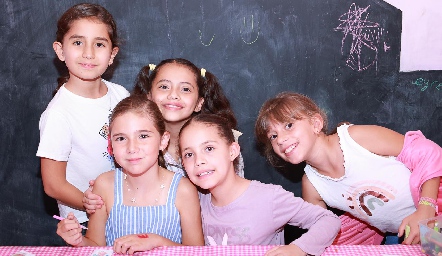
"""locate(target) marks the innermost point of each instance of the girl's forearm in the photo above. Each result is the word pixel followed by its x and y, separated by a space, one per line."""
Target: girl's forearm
pixel 428 194
pixel 430 188
pixel 69 195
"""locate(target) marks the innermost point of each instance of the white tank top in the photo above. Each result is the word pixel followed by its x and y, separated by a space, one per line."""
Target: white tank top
pixel 374 188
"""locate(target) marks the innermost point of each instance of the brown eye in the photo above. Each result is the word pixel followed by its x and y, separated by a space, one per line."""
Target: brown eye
pixel 163 87
pixel 119 138
pixel 144 136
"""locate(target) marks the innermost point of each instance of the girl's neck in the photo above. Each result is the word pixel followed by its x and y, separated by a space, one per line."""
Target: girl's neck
pixel 146 189
pixel 174 130
pixel 230 189
pixel 327 157
pixel 144 180
pixel 88 89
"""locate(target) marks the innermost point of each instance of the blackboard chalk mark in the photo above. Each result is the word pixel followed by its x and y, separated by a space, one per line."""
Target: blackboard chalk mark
pixel 424 84
pixel 252 28
pixel 168 24
pixel 386 47
pixel 365 36
pixel 10 12
pixel 200 32
pixel 201 39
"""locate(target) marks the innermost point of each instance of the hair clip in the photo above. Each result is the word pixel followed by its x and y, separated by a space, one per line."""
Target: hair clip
pixel 152 67
pixel 203 72
pixel 236 134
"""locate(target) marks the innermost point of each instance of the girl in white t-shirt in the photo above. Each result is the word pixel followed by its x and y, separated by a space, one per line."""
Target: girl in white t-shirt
pixel 74 126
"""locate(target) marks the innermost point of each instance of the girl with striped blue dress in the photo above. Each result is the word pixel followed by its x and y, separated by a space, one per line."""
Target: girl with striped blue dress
pixel 145 205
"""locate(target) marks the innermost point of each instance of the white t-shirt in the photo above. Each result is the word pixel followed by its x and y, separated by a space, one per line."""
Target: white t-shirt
pixel 75 129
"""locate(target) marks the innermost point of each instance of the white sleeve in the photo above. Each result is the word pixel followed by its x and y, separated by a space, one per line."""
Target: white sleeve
pixel 55 136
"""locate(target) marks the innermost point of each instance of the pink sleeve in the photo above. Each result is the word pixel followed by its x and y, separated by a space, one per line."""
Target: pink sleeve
pixel 424 159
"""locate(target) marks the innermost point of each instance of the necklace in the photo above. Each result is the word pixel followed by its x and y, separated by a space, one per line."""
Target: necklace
pixel 134 200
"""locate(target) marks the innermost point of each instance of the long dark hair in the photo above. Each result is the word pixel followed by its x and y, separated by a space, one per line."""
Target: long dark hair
pixel 215 102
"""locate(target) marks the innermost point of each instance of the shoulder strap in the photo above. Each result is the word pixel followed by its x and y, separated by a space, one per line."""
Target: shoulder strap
pixel 118 186
pixel 173 188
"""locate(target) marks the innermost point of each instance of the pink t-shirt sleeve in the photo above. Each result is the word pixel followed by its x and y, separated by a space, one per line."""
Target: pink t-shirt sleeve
pixel 322 225
pixel 424 159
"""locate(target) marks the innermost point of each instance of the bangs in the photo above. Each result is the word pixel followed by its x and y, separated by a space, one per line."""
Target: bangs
pixel 276 111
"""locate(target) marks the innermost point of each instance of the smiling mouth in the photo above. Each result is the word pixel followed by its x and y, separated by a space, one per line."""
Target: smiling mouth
pixel 204 173
pixel 171 106
pixel 290 149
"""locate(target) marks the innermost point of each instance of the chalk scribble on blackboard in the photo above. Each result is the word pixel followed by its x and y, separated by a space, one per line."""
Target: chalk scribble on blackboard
pixel 386 47
pixel 252 28
pixel 200 32
pixel 425 84
pixel 364 36
pixel 201 39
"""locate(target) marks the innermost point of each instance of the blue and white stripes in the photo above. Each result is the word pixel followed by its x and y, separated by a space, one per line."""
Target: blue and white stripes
pixel 163 220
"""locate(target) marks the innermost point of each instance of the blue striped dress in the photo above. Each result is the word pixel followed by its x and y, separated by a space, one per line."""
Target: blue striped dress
pixel 163 220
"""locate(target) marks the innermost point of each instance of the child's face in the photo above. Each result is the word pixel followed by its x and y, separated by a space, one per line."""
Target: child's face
pixel 206 156
pixel 86 49
pixel 175 92
pixel 293 140
pixel 136 142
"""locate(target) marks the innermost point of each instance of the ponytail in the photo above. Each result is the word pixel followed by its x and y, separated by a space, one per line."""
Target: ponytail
pixel 142 82
pixel 215 101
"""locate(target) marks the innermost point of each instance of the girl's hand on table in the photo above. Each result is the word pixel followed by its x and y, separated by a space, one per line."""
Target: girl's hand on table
pixel 423 212
pixel 135 243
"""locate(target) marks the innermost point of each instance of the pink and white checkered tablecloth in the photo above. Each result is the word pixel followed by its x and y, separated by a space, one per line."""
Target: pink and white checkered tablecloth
pixel 243 250
pixel 374 250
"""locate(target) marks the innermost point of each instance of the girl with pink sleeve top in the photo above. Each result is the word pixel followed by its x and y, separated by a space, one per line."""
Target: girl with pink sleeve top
pixel 376 175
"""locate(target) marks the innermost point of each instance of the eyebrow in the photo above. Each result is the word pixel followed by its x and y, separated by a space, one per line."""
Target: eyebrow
pixel 204 143
pixel 138 131
pixel 168 81
pixel 96 38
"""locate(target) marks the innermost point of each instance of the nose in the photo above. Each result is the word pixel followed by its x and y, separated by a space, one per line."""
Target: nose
pixel 281 138
pixel 173 94
pixel 88 52
pixel 132 146
pixel 199 160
